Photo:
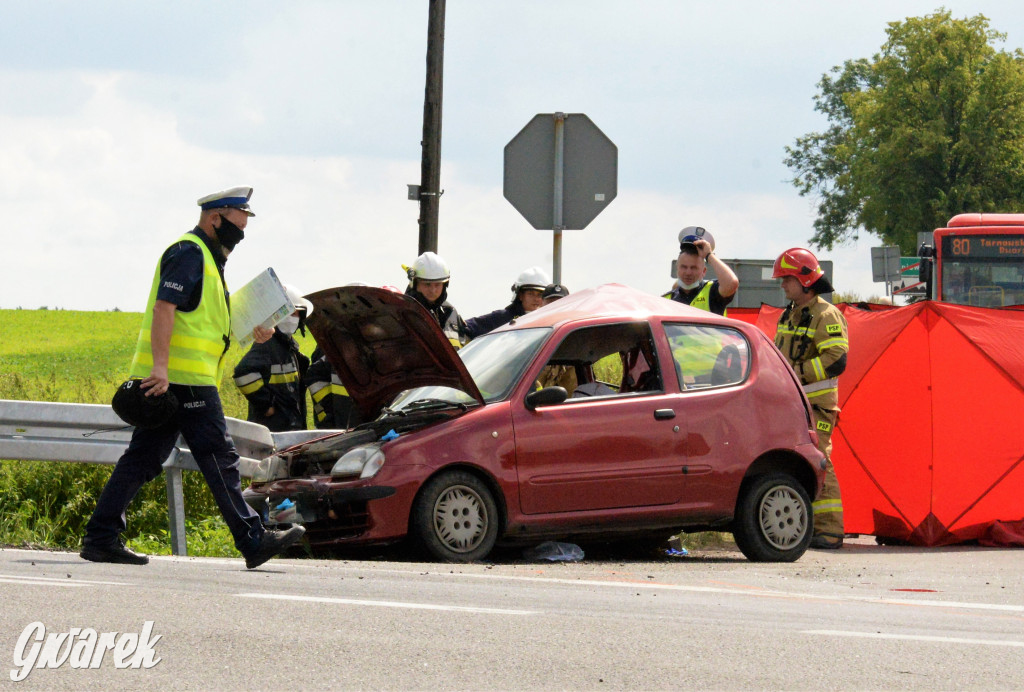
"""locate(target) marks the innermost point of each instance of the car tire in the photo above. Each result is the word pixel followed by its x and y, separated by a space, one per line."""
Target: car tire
pixel 455 518
pixel 773 520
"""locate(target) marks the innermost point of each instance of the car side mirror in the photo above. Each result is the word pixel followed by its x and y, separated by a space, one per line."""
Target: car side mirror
pixel 546 397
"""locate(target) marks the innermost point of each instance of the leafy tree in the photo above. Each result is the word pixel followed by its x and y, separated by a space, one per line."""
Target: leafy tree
pixel 930 127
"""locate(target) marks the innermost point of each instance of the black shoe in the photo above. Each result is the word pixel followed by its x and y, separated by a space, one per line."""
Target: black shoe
pixel 272 543
pixel 823 543
pixel 112 552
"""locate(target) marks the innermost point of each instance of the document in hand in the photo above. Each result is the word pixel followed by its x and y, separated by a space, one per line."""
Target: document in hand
pixel 261 302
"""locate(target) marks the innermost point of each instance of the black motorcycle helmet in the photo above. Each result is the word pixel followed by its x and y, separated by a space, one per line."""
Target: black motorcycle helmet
pixel 131 405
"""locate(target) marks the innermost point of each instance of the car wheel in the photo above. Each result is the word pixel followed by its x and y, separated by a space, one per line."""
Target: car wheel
pixel 455 518
pixel 773 519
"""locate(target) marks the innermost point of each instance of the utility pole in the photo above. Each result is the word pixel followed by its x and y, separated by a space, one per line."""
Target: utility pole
pixel 430 167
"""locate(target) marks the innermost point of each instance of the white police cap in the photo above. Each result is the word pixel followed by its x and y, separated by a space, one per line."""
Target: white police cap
pixel 691 234
pixel 236 198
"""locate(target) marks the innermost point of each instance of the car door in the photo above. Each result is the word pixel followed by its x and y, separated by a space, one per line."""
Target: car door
pixel 615 448
pixel 712 366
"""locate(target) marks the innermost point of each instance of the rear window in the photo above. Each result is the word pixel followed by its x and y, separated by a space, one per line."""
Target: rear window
pixel 707 355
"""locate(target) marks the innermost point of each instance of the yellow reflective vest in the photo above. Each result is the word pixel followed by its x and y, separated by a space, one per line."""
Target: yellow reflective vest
pixel 701 301
pixel 199 338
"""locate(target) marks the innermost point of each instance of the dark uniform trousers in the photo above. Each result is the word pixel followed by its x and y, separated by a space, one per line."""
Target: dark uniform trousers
pixel 200 420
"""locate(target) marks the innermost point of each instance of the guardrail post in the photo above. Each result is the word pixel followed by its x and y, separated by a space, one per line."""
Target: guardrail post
pixel 175 504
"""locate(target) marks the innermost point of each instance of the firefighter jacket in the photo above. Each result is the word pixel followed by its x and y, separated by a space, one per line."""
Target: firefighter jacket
pixel 446 316
pixel 270 375
pixel 199 338
pixel 814 339
pixel 477 326
pixel 333 409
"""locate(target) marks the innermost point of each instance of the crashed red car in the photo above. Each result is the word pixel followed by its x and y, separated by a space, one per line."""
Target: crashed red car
pixel 699 425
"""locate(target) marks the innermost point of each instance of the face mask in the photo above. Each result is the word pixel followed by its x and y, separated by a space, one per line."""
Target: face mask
pixel 690 287
pixel 289 324
pixel 228 234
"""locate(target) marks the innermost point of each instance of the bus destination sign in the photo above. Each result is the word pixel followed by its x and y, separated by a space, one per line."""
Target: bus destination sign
pixel 995 245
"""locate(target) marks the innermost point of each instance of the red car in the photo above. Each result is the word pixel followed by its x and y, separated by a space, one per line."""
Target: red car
pixel 609 414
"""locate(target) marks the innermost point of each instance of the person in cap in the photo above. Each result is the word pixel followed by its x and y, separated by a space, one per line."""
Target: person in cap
pixel 185 333
pixel 696 252
pixel 553 292
pixel 428 285
pixel 270 375
pixel 813 336
pixel 527 292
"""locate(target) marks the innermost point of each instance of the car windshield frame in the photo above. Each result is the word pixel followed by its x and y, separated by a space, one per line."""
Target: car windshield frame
pixel 496 362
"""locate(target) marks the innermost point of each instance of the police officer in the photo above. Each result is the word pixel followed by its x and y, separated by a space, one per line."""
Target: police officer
pixel 696 252
pixel 185 333
pixel 553 292
pixel 428 284
pixel 812 335
pixel 527 291
pixel 270 375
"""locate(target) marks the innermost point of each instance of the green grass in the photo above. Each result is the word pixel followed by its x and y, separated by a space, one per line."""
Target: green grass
pixel 81 357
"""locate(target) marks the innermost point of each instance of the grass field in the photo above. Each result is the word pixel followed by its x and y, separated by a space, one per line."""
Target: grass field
pixel 81 357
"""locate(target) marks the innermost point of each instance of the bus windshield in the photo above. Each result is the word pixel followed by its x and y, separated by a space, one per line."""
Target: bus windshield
pixel 984 269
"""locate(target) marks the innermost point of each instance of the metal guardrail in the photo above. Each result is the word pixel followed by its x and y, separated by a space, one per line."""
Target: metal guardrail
pixel 93 434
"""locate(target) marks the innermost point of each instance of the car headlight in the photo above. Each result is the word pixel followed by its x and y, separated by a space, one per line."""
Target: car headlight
pixel 363 462
pixel 271 468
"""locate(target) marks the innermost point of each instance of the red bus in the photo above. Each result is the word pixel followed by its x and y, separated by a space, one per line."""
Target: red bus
pixel 978 260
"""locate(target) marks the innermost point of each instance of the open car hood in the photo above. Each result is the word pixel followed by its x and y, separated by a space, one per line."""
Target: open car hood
pixel 381 343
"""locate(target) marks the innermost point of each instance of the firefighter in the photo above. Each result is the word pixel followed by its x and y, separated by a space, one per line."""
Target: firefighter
pixel 428 284
pixel 332 407
pixel 812 335
pixel 527 296
pixel 696 252
pixel 270 375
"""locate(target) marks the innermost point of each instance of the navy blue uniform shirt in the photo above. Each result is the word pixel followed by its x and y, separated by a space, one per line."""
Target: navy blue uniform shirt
pixel 181 272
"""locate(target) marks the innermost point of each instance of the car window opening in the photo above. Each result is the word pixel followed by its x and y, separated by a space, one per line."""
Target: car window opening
pixel 607 360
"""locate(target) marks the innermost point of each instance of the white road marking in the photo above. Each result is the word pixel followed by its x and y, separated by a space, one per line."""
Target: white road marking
pixel 755 592
pixel 914 638
pixel 54 581
pixel 386 604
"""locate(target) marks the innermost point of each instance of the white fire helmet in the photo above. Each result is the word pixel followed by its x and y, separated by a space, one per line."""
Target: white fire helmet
pixel 429 267
pixel 295 296
pixel 533 278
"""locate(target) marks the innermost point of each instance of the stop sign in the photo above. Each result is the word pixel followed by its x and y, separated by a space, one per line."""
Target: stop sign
pixel 560 164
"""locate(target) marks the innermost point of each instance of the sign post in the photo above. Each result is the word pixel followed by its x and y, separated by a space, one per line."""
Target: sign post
pixel 560 172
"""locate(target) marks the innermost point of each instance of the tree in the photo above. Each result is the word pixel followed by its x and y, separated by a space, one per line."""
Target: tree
pixel 931 127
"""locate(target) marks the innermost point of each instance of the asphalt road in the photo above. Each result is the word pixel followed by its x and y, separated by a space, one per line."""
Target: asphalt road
pixel 865 617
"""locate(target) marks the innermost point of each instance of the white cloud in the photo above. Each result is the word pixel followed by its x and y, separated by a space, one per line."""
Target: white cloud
pixel 98 193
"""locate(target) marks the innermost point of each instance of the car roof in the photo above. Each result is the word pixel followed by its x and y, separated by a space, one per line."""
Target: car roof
pixel 612 301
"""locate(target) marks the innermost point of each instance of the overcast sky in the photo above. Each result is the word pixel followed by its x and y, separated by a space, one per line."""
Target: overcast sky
pixel 117 116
